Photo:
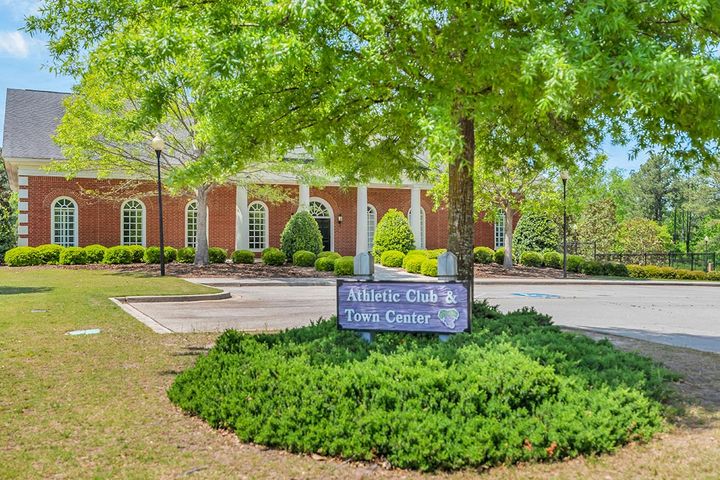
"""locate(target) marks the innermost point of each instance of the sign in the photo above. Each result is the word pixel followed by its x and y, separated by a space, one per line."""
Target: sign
pixel 420 307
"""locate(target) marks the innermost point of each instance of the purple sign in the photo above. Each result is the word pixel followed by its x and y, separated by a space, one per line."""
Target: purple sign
pixel 403 306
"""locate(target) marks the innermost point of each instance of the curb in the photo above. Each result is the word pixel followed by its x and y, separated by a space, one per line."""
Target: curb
pixel 173 298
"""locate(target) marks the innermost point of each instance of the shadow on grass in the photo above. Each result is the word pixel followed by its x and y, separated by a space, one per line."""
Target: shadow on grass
pixel 21 290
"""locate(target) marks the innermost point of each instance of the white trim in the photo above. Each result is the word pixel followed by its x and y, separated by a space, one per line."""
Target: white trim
pixel 241 218
pixel 499 231
pixel 266 226
pixel 421 242
pixel 370 206
pixel 332 219
pixel 207 221
pixel 22 242
pixel 303 197
pixel 23 181
pixel 76 217
pixel 144 221
pixel 361 221
pixel 23 206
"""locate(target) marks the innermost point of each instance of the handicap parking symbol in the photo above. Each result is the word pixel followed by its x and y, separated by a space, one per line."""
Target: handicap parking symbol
pixel 536 295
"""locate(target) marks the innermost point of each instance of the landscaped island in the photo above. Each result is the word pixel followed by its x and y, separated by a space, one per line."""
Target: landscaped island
pixel 516 389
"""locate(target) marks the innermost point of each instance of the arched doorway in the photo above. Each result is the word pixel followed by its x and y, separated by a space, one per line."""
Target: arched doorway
pixel 323 215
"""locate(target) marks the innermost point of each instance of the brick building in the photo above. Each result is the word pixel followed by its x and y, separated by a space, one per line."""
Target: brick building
pixel 53 209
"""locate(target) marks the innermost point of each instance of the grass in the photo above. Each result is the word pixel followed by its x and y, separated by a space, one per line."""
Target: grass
pixel 96 406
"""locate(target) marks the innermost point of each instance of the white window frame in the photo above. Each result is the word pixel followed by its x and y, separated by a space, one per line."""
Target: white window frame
pixel 499 230
pixel 266 225
pixel 332 218
pixel 76 219
pixel 371 225
pixel 144 221
pixel 207 222
pixel 423 233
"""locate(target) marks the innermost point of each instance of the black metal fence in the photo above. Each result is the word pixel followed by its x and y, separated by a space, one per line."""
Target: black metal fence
pixel 688 261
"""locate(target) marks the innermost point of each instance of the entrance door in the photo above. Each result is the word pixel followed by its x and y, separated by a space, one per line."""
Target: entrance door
pixel 323 216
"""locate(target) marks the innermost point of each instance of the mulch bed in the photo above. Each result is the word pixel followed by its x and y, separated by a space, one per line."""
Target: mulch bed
pixel 493 270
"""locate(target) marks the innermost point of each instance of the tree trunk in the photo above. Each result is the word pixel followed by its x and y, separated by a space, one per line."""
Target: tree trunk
pixel 202 257
pixel 507 259
pixel 461 224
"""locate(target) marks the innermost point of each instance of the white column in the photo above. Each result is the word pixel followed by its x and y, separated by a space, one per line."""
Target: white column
pixel 361 232
pixel 304 200
pixel 415 207
pixel 242 231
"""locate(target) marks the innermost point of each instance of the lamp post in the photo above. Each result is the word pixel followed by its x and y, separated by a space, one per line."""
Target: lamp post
pixel 158 145
pixel 564 175
pixel 707 239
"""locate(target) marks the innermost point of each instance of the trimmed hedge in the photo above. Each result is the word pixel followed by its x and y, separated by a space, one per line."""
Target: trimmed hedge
pixel 329 254
pixel 243 256
pixel 73 256
pixel 49 253
pixel 273 256
pixel 152 255
pixel 553 260
pixel 325 264
pixel 592 267
pixel 429 267
pixel 301 233
pixel 119 255
pixel 436 253
pixel 22 257
pixel 531 259
pixel 483 254
pixel 186 255
pixel 217 255
pixel 392 258
pixel 138 253
pixel 345 266
pixel 303 258
pixel 393 233
pixel 500 255
pixel 413 263
pixel 574 263
pixel 95 253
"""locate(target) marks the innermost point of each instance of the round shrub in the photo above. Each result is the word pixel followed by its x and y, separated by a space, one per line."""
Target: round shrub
pixel 328 254
pixel 301 233
pixel 713 276
pixel 243 256
pixel 325 264
pixel 531 259
pixel 429 267
pixel 138 253
pixel 411 255
pixel 345 266
pixel 393 233
pixel 637 271
pixel 535 233
pixel 95 253
pixel 22 257
pixel 152 255
pixel 553 260
pixel 303 258
pixel 483 254
pixel 423 253
pixel 273 256
pixel 49 253
pixel 413 263
pixel 392 258
pixel 73 256
pixel 616 269
pixel 682 274
pixel 436 253
pixel 217 255
pixel 592 267
pixel 186 255
pixel 574 263
pixel 119 255
pixel 500 255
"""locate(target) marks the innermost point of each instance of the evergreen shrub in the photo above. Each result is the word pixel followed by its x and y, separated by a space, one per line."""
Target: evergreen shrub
pixel 531 259
pixel 534 232
pixel 553 260
pixel 95 253
pixel 483 254
pixel 392 258
pixel 500 255
pixel 49 253
pixel 217 255
pixel 429 267
pixel 345 266
pixel 592 267
pixel 138 253
pixel 152 255
pixel 22 257
pixel 186 255
pixel 329 254
pixel 436 252
pixel 413 263
pixel 243 256
pixel 119 255
pixel 73 256
pixel 393 233
pixel 273 256
pixel 303 258
pixel 301 233
pixel 325 264
pixel 574 263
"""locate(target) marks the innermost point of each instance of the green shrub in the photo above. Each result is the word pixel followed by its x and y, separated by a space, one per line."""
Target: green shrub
pixel 301 233
pixel 411 255
pixel 328 254
pixel 423 253
pixel 429 267
pixel 534 232
pixel 138 253
pixel 616 269
pixel 413 263
pixel 243 256
pixel 436 252
pixel 553 260
pixel 483 254
pixel 49 253
pixel 95 253
pixel 303 258
pixel 217 255
pixel 392 258
pixel 682 274
pixel 345 266
pixel 515 390
pixel 22 257
pixel 500 255
pixel 325 264
pixel 186 255
pixel 574 263
pixel 393 233
pixel 152 255
pixel 592 267
pixel 713 276
pixel 274 257
pixel 119 255
pixel 73 256
pixel 637 271
pixel 531 259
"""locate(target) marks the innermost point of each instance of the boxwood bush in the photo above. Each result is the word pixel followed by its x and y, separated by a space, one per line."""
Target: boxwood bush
pixel 413 263
pixel 301 233
pixel 328 254
pixel 392 258
pixel 393 233
pixel 592 267
pixel 95 253
pixel 500 255
pixel 574 263
pixel 303 258
pixel 186 255
pixel 325 264
pixel 138 253
pixel 73 256
pixel 483 254
pixel 436 252
pixel 553 260
pixel 423 253
pixel 273 256
pixel 515 390
pixel 243 256
pixel 429 267
pixel 345 266
pixel 531 259
pixel 119 255
pixel 152 255
pixel 22 257
pixel 217 255
pixel 49 253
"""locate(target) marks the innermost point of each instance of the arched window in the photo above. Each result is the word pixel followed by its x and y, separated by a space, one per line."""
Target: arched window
pixel 500 230
pixel 191 214
pixel 64 222
pixel 422 225
pixel 132 229
pixel 371 225
pixel 323 215
pixel 257 226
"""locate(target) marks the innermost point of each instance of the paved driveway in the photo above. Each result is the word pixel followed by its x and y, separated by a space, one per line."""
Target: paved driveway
pixel 675 315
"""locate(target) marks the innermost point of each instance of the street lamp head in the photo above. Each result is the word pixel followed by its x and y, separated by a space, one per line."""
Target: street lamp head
pixel 707 239
pixel 564 175
pixel 158 144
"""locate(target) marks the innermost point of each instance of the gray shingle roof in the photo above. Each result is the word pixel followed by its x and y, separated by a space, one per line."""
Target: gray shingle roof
pixel 31 117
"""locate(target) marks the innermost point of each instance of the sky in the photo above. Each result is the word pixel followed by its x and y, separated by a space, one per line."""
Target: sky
pixel 24 60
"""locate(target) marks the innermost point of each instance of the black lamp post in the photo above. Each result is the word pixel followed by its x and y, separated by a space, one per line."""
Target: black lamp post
pixel 564 177
pixel 158 144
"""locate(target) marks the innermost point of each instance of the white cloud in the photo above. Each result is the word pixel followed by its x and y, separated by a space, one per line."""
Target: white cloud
pixel 14 44
pixel 18 9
